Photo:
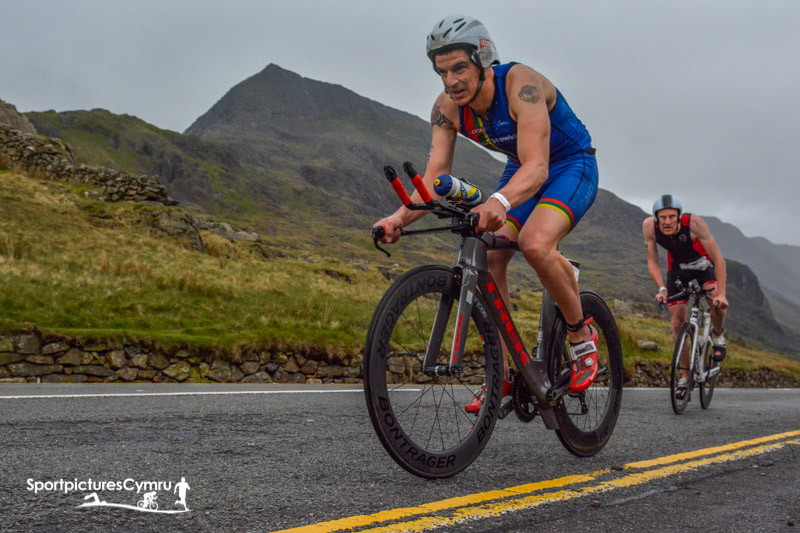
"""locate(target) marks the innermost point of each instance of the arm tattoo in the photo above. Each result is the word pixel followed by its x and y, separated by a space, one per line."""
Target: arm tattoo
pixel 529 93
pixel 438 118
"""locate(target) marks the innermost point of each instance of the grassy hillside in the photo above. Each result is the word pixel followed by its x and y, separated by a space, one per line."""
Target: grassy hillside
pixel 195 172
pixel 85 268
pixel 78 267
pixel 278 148
pixel 300 161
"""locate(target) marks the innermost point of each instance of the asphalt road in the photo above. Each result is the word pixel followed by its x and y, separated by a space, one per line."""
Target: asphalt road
pixel 268 458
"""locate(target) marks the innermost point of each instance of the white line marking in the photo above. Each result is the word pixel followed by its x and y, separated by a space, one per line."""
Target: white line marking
pixel 198 393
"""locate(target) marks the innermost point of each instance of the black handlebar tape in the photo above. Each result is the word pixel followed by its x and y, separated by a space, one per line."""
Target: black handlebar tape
pixel 417 181
pixel 397 185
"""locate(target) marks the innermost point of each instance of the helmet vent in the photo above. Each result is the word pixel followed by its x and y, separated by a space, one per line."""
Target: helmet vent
pixel 460 26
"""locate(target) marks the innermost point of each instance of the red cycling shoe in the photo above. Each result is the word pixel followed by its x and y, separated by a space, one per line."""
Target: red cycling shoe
pixel 583 367
pixel 477 401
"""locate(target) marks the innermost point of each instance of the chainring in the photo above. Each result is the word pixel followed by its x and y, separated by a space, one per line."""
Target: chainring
pixel 524 406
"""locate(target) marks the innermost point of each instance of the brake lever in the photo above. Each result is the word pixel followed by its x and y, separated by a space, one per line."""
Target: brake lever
pixel 378 232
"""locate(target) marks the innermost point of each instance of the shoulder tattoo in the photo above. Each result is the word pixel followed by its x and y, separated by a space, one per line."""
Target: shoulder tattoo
pixel 438 118
pixel 529 93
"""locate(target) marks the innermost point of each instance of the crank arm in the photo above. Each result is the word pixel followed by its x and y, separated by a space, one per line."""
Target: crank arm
pixel 506 409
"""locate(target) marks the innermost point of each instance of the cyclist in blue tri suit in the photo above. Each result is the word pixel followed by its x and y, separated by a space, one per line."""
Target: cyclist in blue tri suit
pixel 550 179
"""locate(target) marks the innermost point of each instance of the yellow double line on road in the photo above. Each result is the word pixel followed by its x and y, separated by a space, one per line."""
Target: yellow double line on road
pixel 493 503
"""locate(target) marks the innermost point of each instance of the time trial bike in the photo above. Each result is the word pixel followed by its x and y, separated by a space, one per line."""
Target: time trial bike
pixel 434 340
pixel 693 351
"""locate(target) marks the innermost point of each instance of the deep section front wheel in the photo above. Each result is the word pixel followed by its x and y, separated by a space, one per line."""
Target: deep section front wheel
pixel 681 362
pixel 587 419
pixel 418 414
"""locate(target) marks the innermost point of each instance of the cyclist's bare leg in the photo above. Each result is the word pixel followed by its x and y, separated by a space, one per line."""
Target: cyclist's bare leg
pixel 717 315
pixel 538 242
pixel 498 265
pixel 678 314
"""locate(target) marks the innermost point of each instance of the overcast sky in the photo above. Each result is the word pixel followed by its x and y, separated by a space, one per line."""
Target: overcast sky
pixel 691 97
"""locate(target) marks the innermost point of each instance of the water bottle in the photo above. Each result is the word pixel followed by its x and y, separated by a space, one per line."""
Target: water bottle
pixel 457 191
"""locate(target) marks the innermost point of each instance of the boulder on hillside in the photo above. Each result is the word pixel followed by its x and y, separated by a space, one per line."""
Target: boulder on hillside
pixel 9 115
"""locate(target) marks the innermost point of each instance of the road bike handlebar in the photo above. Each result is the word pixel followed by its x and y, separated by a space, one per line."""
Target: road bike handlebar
pixel 467 222
pixel 694 289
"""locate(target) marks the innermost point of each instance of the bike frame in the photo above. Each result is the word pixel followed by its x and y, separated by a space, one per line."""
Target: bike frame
pixel 697 362
pixel 473 266
pixel 474 269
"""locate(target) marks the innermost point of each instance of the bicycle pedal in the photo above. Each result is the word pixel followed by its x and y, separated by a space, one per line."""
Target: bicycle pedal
pixel 506 409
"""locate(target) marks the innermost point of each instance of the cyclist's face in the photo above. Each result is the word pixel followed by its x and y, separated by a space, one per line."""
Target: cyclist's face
pixel 459 75
pixel 668 221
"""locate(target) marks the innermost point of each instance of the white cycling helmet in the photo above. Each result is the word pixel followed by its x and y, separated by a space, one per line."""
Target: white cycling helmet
pixel 462 30
pixel 667 201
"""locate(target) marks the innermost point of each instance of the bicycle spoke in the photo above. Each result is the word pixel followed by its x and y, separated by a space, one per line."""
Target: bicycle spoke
pixel 420 416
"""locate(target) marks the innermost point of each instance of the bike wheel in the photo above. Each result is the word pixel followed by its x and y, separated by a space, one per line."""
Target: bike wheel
pixel 587 419
pixel 683 345
pixel 707 387
pixel 419 417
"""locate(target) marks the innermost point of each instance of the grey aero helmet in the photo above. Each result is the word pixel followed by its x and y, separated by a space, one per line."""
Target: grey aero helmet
pixel 667 201
pixel 460 29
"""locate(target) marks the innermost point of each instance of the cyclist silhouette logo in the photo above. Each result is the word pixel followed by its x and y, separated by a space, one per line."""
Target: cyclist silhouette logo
pixel 149 501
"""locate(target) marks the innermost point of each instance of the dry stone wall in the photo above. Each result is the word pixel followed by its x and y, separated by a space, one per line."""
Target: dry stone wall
pixel 653 374
pixel 30 357
pixel 53 159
